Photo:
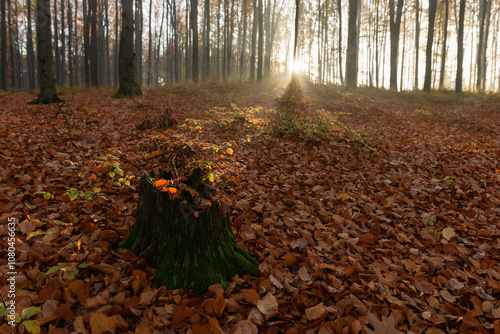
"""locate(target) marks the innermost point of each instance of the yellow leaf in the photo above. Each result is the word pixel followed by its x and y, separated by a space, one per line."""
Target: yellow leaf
pixel 230 151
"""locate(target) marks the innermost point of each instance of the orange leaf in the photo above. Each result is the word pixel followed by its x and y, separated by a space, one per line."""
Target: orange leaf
pixel 230 151
pixel 172 190
pixel 160 183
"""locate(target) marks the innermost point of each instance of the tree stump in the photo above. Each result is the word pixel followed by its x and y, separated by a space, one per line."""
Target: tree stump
pixel 188 239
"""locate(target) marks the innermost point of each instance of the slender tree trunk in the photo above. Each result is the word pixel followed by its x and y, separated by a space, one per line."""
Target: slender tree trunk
pixel 401 76
pixel 206 45
pixel 86 43
pixel 70 43
pixel 63 46
pixel 76 44
pixel 377 42
pixel 56 45
pixel 108 61
pixel 443 50
pixel 30 52
pixel 177 63
pixel 138 41
pixel 352 50
pixel 254 39
pixel 395 26
pixel 17 47
pixel 339 8
pixel 460 53
pixel 3 51
pixel 244 38
pixel 267 28
pixel 94 60
pixel 194 27
pixel 218 38
pixel 260 62
pixel 128 83
pixel 48 92
pixel 417 42
pixel 430 38
pixel 150 44
pixel 296 40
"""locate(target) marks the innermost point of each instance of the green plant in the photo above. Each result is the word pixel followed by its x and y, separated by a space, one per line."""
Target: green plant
pixel 448 179
pixel 70 274
pixel 47 195
pixel 32 326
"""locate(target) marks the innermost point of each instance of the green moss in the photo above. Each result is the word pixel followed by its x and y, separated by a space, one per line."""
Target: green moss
pixel 187 252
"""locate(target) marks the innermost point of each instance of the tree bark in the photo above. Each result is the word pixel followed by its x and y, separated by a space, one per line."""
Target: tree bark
pixel 443 49
pixel 138 41
pixel 417 42
pixel 48 92
pixel 190 244
pixel 126 66
pixel 206 45
pixel 194 27
pixel 63 46
pixel 244 38
pixel 460 53
pixel 94 62
pixel 352 49
pixel 395 26
pixel 254 39
pixel 260 61
pixel 339 8
pixel 3 51
pixel 430 39
pixel 30 52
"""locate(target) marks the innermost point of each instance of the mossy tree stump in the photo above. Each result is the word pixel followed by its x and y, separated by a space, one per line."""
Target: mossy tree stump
pixel 191 245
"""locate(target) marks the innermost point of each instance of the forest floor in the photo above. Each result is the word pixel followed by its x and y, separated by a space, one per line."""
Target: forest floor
pixel 369 212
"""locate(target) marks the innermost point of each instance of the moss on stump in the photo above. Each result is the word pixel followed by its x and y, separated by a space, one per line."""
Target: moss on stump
pixel 190 246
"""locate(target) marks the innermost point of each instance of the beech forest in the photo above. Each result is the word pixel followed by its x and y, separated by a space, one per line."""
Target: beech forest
pixel 249 166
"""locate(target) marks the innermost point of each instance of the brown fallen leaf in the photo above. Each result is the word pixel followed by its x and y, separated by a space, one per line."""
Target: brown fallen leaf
pixel 214 326
pixel 315 312
pixel 251 296
pixel 385 326
pixel 181 317
pixel 304 275
pixel 101 323
pixel 268 305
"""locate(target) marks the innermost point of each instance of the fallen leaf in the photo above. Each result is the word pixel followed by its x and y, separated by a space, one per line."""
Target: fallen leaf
pixel 448 233
pixel 101 323
pixel 268 304
pixel 315 312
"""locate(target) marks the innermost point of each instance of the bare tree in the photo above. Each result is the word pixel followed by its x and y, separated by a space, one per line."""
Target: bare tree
pixel 352 47
pixel 395 25
pixel 126 66
pixel 48 92
pixel 460 42
pixel 430 39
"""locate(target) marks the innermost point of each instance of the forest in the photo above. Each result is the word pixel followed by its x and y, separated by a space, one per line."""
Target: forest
pixel 249 166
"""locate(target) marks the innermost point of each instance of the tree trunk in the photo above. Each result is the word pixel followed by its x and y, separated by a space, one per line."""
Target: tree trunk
pixel 63 46
pixel 30 52
pixel 254 39
pixel 86 43
pixel 244 38
pixel 339 8
pixel 430 38
pixel 260 61
pixel 70 43
pixel 443 50
pixel 138 41
pixel 206 44
pixel 417 42
pixel 352 50
pixel 395 26
pixel 460 53
pixel 94 63
pixel 128 83
pixel 194 27
pixel 48 92
pixel 191 245
pixel 3 51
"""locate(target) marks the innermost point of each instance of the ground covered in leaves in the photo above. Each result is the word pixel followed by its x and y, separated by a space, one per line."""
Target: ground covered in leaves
pixel 369 212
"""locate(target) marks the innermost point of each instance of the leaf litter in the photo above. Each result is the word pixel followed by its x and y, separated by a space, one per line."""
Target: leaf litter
pixel 390 226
